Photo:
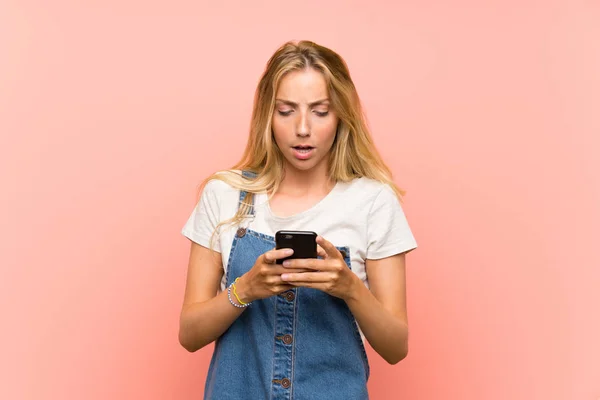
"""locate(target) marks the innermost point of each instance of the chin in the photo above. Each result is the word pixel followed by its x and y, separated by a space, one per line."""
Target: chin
pixel 302 165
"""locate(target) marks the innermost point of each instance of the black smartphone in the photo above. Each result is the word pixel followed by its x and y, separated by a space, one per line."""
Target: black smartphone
pixel 304 244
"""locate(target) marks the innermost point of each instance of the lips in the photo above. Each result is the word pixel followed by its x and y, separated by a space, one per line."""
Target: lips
pixel 303 148
pixel 303 152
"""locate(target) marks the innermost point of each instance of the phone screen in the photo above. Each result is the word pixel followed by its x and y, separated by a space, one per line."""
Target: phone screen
pixel 304 244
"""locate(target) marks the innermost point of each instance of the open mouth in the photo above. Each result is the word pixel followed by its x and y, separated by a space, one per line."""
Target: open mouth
pixel 303 149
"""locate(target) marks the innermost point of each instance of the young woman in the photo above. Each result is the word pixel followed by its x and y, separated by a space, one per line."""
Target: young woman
pixel 297 330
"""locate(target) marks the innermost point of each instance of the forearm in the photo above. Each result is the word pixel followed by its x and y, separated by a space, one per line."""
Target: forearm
pixel 386 332
pixel 202 323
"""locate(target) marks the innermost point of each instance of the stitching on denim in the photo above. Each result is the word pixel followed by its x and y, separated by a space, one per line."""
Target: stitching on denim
pixel 362 347
pixel 243 193
pixel 212 371
pixel 294 331
pixel 261 235
pixel 273 353
pixel 228 273
pixel 348 261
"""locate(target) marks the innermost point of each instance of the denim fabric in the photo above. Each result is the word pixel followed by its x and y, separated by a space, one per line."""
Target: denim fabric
pixel 300 344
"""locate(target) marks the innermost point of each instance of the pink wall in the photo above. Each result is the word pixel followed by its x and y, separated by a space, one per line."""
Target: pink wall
pixel 113 111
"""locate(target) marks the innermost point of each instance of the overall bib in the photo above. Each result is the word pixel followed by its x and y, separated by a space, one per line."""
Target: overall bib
pixel 300 344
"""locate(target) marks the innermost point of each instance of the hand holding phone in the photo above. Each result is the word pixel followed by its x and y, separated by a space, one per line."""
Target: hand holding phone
pixel 304 244
pixel 258 283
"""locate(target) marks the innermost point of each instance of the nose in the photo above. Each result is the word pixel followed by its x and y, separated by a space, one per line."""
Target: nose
pixel 303 128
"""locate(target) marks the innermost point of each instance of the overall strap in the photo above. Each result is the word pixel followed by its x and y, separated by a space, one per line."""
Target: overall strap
pixel 247 174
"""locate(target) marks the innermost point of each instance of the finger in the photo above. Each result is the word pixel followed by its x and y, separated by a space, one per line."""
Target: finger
pixel 321 252
pixel 305 263
pixel 306 277
pixel 278 270
pixel 271 256
pixel 323 287
pixel 329 248
pixel 282 288
pixel 313 285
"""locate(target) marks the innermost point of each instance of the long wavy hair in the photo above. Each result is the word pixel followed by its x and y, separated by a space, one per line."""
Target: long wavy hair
pixel 353 154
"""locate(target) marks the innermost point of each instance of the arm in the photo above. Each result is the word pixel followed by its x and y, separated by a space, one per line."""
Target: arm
pixel 204 314
pixel 381 312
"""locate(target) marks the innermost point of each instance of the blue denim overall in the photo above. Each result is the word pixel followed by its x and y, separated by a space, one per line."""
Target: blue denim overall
pixel 300 344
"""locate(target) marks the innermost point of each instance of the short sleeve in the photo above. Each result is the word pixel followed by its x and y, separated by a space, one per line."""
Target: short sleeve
pixel 204 218
pixel 388 232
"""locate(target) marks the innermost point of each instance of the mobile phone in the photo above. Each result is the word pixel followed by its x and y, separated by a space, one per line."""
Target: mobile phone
pixel 304 244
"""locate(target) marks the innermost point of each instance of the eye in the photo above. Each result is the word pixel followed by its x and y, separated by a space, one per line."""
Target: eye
pixel 322 113
pixel 284 113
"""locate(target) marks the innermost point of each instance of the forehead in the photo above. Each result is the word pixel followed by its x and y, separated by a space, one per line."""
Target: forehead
pixel 306 85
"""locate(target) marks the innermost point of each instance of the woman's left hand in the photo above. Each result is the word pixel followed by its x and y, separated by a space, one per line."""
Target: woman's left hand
pixel 329 274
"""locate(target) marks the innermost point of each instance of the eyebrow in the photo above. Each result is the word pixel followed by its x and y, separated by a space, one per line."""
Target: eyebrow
pixel 314 103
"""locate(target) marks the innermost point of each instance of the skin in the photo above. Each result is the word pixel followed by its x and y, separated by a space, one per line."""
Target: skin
pixel 380 311
pixel 303 116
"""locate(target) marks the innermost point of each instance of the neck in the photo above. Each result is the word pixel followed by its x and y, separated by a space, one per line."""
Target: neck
pixel 314 180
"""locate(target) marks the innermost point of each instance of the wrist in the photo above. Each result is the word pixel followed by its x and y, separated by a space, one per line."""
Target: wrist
pixel 356 288
pixel 242 290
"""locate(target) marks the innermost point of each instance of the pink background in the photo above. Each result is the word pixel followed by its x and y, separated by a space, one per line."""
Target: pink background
pixel 111 112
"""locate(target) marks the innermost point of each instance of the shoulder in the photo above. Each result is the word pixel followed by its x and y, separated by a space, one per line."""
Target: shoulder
pixel 221 182
pixel 371 190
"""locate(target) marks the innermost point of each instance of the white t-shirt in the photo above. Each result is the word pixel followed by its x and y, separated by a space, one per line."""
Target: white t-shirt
pixel 364 215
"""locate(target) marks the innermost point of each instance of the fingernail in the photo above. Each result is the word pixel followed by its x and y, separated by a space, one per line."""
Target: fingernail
pixel 289 252
pixel 284 277
pixel 286 263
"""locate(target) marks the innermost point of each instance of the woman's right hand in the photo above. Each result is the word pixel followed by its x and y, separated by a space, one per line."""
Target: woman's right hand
pixel 264 278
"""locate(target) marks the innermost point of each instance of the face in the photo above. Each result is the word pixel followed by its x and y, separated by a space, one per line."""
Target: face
pixel 304 125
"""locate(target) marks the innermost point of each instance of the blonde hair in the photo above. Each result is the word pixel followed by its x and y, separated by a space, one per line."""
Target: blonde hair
pixel 353 153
